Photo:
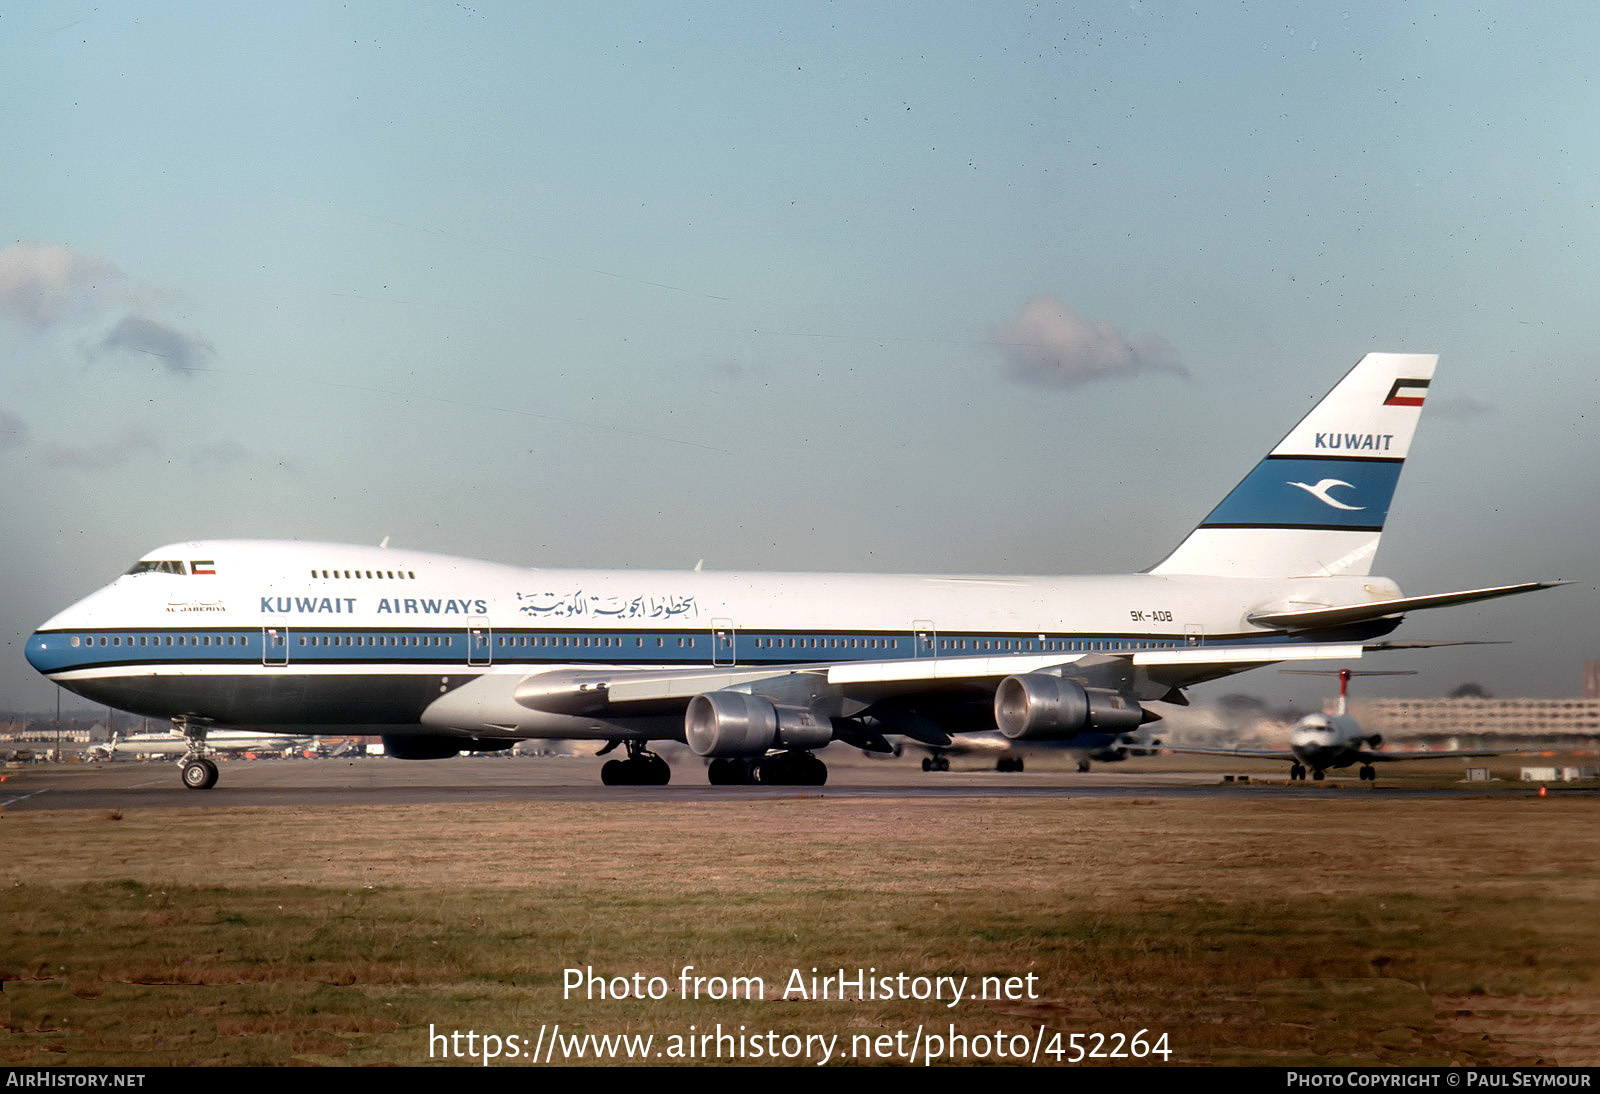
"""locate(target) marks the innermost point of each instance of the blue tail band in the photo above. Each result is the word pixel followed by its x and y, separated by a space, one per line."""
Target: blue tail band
pixel 1350 494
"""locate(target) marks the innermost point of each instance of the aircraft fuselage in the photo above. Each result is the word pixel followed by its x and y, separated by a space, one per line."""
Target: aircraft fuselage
pixel 314 637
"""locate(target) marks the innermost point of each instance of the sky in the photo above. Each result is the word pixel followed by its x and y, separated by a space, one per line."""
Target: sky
pixel 931 287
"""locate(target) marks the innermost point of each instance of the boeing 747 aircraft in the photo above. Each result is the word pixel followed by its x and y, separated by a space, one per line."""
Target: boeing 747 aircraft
pixel 756 671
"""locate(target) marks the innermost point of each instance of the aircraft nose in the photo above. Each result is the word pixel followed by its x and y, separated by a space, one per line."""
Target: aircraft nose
pixel 42 651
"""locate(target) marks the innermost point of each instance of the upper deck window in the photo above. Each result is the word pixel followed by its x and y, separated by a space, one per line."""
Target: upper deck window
pixel 146 566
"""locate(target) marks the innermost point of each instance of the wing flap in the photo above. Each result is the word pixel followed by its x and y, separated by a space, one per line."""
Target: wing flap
pixel 1223 656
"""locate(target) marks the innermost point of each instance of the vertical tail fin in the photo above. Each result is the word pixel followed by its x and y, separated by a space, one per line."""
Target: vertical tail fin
pixel 1317 504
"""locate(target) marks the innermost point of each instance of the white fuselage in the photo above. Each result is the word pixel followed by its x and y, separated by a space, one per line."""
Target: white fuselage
pixel 1326 741
pixel 280 634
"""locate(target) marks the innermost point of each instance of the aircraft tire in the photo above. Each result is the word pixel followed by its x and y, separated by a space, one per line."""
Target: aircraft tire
pixel 646 769
pixel 818 772
pixel 792 769
pixel 729 771
pixel 199 774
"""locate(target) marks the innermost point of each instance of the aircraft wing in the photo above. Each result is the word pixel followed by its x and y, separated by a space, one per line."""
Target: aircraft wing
pixel 1201 659
pixel 1317 618
pixel 1395 755
pixel 959 690
pixel 592 690
pixel 1243 753
pixel 1364 755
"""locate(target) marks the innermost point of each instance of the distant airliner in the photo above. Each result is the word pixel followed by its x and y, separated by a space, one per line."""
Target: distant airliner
pixel 173 744
pixel 1321 742
pixel 1010 755
pixel 755 671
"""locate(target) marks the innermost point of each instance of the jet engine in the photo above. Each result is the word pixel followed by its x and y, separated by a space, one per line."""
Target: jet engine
pixel 1039 707
pixel 732 723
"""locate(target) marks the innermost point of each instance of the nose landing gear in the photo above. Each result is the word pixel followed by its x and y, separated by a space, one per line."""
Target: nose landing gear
pixel 198 770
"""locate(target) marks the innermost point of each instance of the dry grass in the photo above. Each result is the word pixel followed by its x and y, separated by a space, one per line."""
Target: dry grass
pixel 1346 930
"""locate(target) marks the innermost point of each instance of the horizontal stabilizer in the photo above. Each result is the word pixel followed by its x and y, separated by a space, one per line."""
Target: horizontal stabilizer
pixel 1432 644
pixel 1317 618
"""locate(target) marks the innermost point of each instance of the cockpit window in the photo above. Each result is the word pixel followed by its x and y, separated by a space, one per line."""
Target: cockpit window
pixel 146 566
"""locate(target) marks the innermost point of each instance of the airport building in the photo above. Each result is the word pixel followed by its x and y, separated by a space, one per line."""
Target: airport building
pixel 1570 722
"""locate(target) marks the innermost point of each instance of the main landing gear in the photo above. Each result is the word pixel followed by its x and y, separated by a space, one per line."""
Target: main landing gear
pixel 1369 774
pixel 200 773
pixel 641 768
pixel 199 770
pixel 794 768
pixel 940 762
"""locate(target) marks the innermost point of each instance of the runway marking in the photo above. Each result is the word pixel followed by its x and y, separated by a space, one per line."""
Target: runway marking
pixel 23 797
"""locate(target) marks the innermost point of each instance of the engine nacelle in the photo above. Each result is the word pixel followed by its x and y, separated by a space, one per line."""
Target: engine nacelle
pixel 732 723
pixel 1037 707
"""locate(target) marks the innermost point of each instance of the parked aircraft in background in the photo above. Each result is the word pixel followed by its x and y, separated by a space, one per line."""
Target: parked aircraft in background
pixel 1322 742
pixel 173 743
pixel 755 671
pixel 1009 755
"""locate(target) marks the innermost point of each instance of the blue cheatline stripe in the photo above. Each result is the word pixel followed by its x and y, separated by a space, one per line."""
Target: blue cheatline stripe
pixel 442 651
pixel 1352 494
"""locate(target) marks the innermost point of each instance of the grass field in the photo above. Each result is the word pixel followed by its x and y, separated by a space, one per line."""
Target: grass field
pixel 1346 930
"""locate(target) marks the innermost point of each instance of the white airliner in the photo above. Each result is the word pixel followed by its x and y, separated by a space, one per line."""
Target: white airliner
pixel 175 744
pixel 1010 755
pixel 1325 742
pixel 443 655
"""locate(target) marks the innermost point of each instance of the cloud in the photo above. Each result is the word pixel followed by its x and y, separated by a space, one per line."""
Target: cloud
pixel 140 334
pixel 220 454
pixel 1457 406
pixel 13 430
pixel 97 457
pixel 48 284
pixel 70 297
pixel 1049 344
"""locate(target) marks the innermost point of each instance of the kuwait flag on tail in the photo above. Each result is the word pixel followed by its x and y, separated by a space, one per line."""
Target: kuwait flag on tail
pixel 1407 393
